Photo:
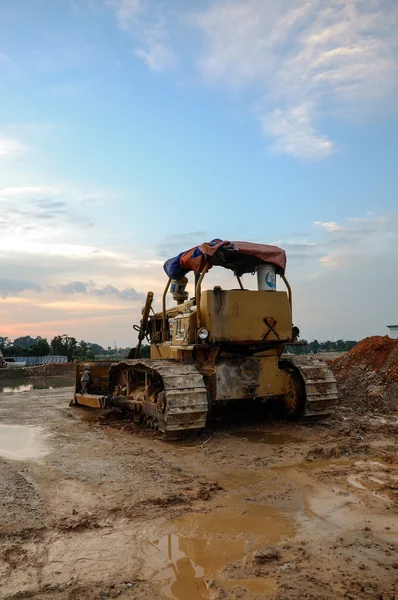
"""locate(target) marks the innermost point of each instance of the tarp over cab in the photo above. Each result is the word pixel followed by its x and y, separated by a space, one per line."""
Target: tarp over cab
pixel 241 257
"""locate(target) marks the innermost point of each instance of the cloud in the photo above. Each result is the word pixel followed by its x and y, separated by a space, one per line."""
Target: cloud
pixel 342 283
pixel 127 12
pixel 329 226
pixel 300 253
pixel 48 246
pixel 80 308
pixel 158 56
pixel 330 261
pixel 12 287
pixel 355 239
pixel 40 213
pixel 33 190
pixel 87 290
pixel 354 293
pixel 80 287
pixel 297 63
pixel 124 294
pixel 333 244
pixel 301 62
pixel 74 287
pixel 51 256
pixel 58 271
pixel 11 147
pixel 295 134
pixel 179 242
pixel 147 24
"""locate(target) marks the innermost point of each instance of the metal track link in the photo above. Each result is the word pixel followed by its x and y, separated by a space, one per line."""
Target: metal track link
pixel 320 386
pixel 184 403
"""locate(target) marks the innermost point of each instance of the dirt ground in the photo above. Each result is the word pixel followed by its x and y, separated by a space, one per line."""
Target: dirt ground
pixel 94 509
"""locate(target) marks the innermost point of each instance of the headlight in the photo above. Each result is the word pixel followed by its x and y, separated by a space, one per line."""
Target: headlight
pixel 203 333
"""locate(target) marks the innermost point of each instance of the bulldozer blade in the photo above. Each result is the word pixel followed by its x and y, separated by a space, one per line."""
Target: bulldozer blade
pixel 92 400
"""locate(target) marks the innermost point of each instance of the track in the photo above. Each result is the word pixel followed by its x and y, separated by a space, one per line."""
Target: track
pixel 181 406
pixel 320 386
pixel 172 396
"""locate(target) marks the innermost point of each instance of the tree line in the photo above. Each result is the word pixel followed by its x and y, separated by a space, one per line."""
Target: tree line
pixel 66 345
pixel 62 345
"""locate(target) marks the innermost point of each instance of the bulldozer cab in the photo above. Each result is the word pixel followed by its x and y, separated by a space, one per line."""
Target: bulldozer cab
pixel 218 316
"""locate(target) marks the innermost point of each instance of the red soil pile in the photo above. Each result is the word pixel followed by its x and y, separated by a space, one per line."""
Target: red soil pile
pixel 367 376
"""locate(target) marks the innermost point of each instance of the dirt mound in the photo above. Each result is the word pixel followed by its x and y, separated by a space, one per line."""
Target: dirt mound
pixel 53 370
pixel 367 376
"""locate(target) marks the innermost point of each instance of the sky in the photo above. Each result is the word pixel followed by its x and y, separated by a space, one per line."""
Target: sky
pixel 131 130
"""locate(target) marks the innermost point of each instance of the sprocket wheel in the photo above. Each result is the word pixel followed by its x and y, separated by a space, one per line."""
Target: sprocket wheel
pixel 292 405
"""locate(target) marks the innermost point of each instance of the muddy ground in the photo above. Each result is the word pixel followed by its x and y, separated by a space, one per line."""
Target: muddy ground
pixel 250 509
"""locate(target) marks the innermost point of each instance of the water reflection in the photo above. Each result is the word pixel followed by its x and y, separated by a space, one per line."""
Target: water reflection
pixel 208 542
pixel 182 577
pixel 39 383
pixel 21 443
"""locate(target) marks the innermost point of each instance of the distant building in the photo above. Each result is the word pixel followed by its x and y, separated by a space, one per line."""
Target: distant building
pixel 393 331
pixel 32 361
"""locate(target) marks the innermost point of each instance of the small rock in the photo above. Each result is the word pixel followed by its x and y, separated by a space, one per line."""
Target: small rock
pixel 265 555
pixel 288 567
pixel 210 583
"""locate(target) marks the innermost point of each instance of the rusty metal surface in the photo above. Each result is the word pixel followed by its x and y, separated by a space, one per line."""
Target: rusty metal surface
pixel 251 377
pixel 91 400
pixel 246 316
pixel 231 386
pixel 99 371
pixel 320 385
pixel 184 398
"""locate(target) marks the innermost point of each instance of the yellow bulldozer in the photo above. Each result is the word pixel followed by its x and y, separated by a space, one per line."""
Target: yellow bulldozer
pixel 218 346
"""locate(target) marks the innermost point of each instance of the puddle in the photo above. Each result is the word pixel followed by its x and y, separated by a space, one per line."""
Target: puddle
pixel 205 543
pixel 21 443
pixel 183 578
pixel 267 437
pixel 233 480
pixel 343 495
pixel 27 385
pixel 24 385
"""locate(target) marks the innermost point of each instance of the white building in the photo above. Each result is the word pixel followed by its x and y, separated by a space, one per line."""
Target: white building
pixel 393 331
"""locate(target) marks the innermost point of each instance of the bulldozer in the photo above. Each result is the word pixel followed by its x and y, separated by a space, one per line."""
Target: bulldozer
pixel 219 346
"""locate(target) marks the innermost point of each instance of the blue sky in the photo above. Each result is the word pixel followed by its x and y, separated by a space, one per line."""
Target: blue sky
pixel 132 129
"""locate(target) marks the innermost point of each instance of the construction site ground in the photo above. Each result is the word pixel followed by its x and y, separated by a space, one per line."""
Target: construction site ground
pixel 92 508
